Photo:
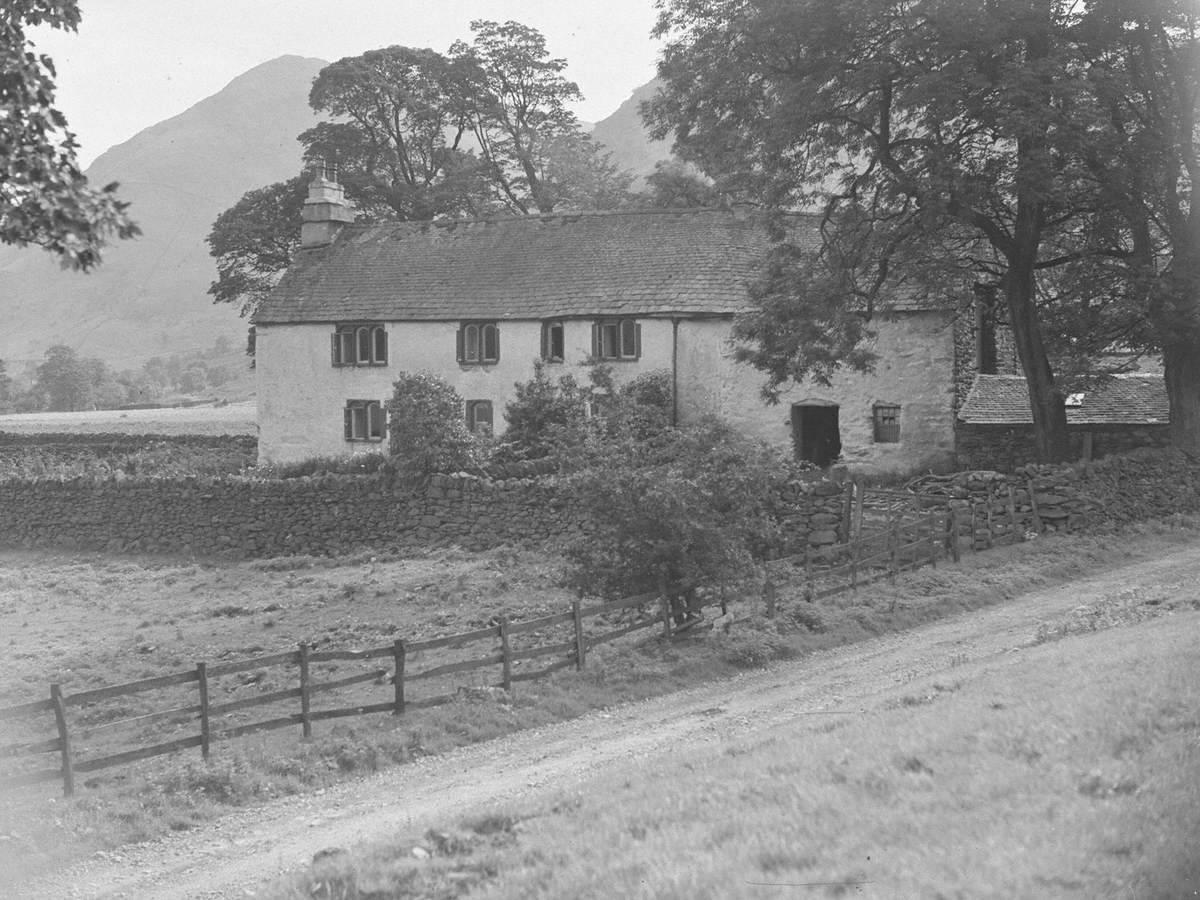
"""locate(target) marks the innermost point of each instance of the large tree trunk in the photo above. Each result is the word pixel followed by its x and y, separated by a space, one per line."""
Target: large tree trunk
pixel 1046 401
pixel 1181 366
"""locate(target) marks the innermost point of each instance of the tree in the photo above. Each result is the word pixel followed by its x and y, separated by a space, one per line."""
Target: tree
pixel 1141 148
pixel 254 242
pixel 674 185
pixel 418 135
pixel 44 197
pixel 396 133
pixel 926 124
pixel 544 414
pixel 515 98
pixel 63 380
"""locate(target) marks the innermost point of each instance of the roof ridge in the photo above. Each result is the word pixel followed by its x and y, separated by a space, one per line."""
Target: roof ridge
pixel 572 214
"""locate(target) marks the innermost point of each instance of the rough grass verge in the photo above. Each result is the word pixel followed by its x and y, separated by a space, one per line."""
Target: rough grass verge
pixel 139 802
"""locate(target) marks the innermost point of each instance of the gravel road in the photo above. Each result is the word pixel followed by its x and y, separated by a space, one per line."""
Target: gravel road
pixel 233 856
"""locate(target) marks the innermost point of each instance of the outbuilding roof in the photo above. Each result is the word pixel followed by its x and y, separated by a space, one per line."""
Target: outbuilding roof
pixel 1133 399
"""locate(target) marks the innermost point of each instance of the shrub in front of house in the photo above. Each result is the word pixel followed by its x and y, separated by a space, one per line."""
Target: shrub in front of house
pixel 427 433
pixel 688 506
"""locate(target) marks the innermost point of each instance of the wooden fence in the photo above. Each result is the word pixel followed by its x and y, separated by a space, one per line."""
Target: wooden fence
pixel 205 716
pixel 908 543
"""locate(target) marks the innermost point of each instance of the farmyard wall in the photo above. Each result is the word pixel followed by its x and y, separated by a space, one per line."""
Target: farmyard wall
pixel 325 515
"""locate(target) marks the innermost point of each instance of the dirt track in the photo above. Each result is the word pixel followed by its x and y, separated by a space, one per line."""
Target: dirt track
pixel 232 856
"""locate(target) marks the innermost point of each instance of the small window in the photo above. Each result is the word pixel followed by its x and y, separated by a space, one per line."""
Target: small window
pixel 616 339
pixel 360 344
pixel 478 343
pixel 479 416
pixel 553 342
pixel 364 420
pixel 887 424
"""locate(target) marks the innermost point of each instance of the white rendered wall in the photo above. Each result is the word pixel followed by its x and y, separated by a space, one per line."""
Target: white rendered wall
pixel 301 394
pixel 915 371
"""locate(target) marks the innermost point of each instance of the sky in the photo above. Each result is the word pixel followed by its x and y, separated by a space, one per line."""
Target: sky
pixel 136 62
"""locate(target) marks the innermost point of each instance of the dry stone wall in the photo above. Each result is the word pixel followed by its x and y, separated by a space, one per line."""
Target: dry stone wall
pixel 1136 486
pixel 326 515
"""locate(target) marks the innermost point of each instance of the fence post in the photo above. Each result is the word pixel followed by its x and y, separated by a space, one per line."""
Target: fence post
pixel 894 540
pixel 769 596
pixel 932 540
pixel 580 647
pixel 858 509
pixel 202 682
pixel 847 506
pixel 64 739
pixel 952 532
pixel 1012 518
pixel 398 654
pixel 854 565
pixel 664 609
pixel 808 565
pixel 990 534
pixel 505 655
pixel 305 723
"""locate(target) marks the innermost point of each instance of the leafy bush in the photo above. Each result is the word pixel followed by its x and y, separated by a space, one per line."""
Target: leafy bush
pixel 428 430
pixel 357 464
pixel 544 415
pixel 688 506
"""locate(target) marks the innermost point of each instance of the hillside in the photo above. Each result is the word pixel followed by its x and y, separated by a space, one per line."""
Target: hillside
pixel 148 298
pixel 624 135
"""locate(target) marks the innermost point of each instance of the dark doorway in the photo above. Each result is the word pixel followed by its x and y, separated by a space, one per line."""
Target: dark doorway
pixel 815 433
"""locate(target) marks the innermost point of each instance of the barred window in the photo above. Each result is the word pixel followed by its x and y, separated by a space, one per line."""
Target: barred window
pixel 364 420
pixel 359 344
pixel 887 424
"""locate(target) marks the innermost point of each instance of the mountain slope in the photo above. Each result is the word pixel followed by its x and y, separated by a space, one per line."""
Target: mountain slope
pixel 149 296
pixel 624 135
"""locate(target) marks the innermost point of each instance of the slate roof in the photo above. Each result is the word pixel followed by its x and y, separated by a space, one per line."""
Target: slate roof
pixel 1121 400
pixel 638 263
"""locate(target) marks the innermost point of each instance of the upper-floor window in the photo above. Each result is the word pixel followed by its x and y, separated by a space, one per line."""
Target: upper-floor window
pixel 616 339
pixel 553 341
pixel 360 344
pixel 887 424
pixel 478 343
pixel 364 420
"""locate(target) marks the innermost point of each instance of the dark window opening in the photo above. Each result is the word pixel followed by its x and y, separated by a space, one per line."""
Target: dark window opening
pixel 815 436
pixel 553 342
pixel 479 416
pixel 359 344
pixel 887 424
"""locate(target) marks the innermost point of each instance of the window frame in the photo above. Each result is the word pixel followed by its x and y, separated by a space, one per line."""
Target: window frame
pixel 473 421
pixel 478 343
pixel 549 328
pixel 364 421
pixel 625 336
pixel 885 423
pixel 358 344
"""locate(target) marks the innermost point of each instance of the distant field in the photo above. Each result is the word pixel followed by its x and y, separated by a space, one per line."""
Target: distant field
pixel 232 418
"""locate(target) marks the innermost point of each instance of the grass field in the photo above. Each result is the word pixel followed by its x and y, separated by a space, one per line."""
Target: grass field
pixel 227 418
pixel 85 621
pixel 1071 770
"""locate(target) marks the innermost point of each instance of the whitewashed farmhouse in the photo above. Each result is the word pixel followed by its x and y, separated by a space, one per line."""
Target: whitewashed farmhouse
pixel 476 302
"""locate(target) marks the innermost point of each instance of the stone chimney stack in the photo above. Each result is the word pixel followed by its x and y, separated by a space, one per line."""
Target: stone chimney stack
pixel 326 210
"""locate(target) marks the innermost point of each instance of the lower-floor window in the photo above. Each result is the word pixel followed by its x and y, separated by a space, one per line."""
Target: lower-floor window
pixel 479 416
pixel 364 420
pixel 887 424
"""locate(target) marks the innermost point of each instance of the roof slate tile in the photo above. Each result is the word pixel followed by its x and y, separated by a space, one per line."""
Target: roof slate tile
pixel 1121 400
